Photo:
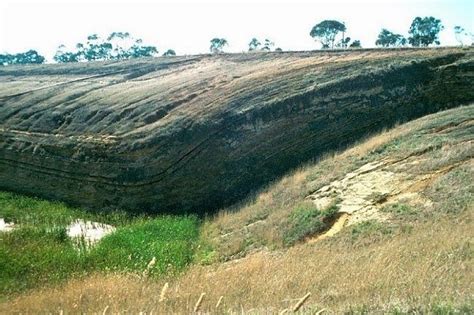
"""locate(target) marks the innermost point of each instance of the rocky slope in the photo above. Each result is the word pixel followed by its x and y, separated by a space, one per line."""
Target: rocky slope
pixel 197 133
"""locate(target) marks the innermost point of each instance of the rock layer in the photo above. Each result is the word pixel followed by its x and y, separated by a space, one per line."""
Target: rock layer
pixel 193 134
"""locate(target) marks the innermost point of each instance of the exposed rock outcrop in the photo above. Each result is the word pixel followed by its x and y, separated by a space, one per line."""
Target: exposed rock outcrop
pixel 192 134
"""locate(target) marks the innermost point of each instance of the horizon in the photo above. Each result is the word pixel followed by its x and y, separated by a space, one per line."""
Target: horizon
pixel 187 27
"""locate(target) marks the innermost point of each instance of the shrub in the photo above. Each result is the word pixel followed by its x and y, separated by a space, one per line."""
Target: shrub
pixel 307 220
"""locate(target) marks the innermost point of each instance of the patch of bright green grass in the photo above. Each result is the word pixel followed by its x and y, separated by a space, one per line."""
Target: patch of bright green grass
pixel 35 212
pixel 38 252
pixel 308 220
pixel 35 256
pixel 169 239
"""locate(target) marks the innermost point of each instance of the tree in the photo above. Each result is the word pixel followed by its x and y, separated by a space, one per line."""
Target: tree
pixel 29 57
pixel 217 45
pixel 121 43
pixel 424 31
pixel 278 49
pixel 117 46
pixel 62 56
pixel 254 44
pixel 461 34
pixel 344 42
pixel 326 32
pixel 355 44
pixel 5 59
pixel 458 34
pixel 138 50
pixel 268 44
pixel 95 49
pixel 118 35
pixel 169 52
pixel 390 39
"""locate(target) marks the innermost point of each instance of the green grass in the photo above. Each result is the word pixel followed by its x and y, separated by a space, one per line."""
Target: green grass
pixel 449 309
pixel 435 309
pixel 400 209
pixel 169 239
pixel 307 220
pixel 29 211
pixel 39 252
pixel 368 230
pixel 32 256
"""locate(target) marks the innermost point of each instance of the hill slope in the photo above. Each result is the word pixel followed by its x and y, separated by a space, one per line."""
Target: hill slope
pixel 417 171
pixel 193 134
pixel 404 245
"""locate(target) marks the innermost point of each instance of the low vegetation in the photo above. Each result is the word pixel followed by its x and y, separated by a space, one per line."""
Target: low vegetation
pixel 38 251
pixel 306 220
pixel 168 240
pixel 369 230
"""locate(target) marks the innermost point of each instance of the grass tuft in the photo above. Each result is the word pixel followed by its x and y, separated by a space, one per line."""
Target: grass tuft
pixel 307 220
pixel 399 209
pixel 369 230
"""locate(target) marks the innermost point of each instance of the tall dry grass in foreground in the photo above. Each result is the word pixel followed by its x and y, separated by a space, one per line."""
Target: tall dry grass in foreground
pixel 429 264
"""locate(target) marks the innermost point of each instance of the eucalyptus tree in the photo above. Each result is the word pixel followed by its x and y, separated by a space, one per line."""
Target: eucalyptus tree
pixel 326 31
pixel 169 52
pixel 29 57
pixel 217 45
pixel 267 45
pixel 387 38
pixel 254 44
pixel 425 31
pixel 117 46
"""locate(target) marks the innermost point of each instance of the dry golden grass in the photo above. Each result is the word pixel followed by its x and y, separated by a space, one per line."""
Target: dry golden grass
pixel 429 264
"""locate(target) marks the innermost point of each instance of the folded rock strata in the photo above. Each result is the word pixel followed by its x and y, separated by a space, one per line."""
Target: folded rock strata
pixel 196 133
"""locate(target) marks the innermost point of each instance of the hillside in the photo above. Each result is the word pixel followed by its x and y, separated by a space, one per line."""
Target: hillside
pixel 385 226
pixel 197 133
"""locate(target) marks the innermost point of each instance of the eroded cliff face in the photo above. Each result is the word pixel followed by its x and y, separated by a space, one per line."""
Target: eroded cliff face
pixel 193 134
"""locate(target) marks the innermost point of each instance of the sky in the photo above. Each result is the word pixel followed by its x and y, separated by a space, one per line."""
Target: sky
pixel 188 26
